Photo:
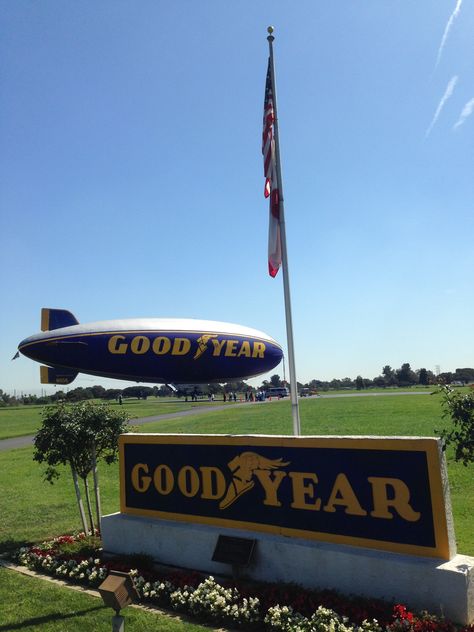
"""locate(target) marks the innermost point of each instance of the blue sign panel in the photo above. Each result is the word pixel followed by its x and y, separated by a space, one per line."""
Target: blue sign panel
pixel 381 493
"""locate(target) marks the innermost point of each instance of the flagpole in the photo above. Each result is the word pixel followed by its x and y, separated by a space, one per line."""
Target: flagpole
pixel 284 257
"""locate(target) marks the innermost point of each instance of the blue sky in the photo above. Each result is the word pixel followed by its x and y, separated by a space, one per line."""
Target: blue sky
pixel 132 177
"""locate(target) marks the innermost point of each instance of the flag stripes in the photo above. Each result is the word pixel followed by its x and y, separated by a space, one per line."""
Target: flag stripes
pixel 271 189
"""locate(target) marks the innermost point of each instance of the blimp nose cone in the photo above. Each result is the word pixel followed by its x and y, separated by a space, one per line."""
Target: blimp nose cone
pixel 32 347
pixel 25 348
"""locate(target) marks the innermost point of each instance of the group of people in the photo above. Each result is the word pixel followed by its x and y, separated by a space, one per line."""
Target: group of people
pixel 250 396
pixel 231 397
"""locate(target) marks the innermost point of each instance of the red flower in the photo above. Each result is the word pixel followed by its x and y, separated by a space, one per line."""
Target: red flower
pixel 400 612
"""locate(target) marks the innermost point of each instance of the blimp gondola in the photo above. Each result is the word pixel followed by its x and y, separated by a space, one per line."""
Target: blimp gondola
pixel 157 350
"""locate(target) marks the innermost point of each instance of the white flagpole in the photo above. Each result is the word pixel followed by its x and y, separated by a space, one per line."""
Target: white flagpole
pixel 284 257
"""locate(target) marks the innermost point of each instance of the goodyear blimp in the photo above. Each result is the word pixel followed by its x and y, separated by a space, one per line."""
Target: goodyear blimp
pixel 158 350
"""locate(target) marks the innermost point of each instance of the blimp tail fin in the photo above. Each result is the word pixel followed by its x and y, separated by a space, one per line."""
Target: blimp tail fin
pixel 56 318
pixel 51 375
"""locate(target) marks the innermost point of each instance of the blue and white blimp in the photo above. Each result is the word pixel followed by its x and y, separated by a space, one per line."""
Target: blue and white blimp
pixel 158 350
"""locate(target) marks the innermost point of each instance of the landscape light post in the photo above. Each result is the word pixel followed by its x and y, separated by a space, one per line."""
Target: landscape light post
pixel 117 592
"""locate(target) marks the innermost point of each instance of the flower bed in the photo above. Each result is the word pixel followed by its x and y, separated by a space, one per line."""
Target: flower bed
pixel 250 606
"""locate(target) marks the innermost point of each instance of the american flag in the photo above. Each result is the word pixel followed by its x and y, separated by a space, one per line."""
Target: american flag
pixel 271 179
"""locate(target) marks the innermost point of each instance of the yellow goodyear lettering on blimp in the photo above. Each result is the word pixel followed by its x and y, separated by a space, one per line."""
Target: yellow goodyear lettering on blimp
pixel 161 345
pixel 229 348
pixel 141 344
pixel 181 346
pixel 116 345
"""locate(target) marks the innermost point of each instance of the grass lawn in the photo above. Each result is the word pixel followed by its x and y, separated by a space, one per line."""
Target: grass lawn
pixel 27 603
pixel 31 509
pixel 25 420
pixel 19 421
pixel 389 415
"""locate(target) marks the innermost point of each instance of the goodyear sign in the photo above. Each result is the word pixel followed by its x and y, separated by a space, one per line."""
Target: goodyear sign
pixel 378 493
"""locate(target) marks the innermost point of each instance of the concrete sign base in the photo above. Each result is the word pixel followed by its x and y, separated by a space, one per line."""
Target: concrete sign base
pixel 441 587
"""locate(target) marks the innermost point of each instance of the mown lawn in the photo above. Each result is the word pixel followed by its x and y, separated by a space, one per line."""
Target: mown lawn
pixel 25 420
pixel 28 603
pixel 20 421
pixel 31 509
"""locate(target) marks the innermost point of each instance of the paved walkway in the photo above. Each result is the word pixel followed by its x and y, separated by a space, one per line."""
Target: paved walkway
pixel 21 442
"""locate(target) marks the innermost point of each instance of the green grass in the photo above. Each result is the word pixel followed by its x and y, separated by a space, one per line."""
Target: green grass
pixel 25 420
pixel 153 406
pixel 376 389
pixel 389 415
pixel 27 604
pixel 17 422
pixel 31 509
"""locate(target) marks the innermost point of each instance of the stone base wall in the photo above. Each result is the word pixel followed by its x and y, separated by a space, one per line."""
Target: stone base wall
pixel 441 587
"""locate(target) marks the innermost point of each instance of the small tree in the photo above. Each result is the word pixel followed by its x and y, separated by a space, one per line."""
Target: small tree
pixel 405 375
pixel 389 375
pixel 423 377
pixel 275 380
pixel 460 408
pixel 79 435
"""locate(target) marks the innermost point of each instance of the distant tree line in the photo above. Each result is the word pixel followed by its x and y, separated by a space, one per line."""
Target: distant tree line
pixel 136 392
pixel 403 377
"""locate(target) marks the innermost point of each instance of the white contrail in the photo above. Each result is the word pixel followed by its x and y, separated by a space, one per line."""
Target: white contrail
pixel 447 93
pixel 467 110
pixel 453 15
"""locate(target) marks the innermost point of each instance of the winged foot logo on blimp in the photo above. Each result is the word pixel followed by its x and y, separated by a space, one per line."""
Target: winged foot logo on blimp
pixel 244 467
pixel 202 344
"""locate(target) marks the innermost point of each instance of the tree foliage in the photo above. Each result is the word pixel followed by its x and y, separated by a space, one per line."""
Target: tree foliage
pixel 390 377
pixel 405 375
pixel 78 435
pixel 68 432
pixel 275 380
pixel 459 407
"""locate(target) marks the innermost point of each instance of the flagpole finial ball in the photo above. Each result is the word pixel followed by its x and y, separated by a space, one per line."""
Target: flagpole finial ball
pixel 270 29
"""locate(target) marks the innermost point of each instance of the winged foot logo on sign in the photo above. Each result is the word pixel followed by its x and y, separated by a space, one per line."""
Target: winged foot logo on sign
pixel 381 493
pixel 243 468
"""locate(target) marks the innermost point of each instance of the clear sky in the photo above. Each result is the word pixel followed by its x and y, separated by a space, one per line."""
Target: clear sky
pixel 132 178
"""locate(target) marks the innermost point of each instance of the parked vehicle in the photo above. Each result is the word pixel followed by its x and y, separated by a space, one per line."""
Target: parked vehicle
pixel 277 391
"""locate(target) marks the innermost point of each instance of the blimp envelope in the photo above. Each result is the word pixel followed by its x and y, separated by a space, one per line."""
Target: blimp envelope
pixel 158 350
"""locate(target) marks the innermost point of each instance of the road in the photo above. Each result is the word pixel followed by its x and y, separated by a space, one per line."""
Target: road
pixel 21 442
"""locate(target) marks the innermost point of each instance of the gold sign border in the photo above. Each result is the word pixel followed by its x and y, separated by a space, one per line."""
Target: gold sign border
pixel 407 444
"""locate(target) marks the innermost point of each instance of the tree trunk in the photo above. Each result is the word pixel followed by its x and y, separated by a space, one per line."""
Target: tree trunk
pixel 79 499
pixel 95 475
pixel 89 508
